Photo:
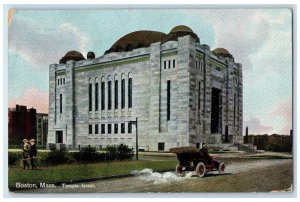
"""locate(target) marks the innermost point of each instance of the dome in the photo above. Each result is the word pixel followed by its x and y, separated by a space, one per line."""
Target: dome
pixel 221 52
pixel 180 31
pixel 144 38
pixel 181 28
pixel 71 55
pixel 138 39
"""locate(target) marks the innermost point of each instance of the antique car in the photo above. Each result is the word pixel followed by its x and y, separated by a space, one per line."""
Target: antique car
pixel 194 159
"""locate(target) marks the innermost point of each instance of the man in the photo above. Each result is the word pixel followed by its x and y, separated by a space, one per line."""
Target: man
pixel 204 152
pixel 26 148
pixel 32 153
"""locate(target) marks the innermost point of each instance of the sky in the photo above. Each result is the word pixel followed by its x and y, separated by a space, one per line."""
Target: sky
pixel 259 39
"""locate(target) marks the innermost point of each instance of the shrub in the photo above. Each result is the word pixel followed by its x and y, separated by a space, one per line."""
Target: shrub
pixel 111 152
pixel 52 146
pixel 57 157
pixel 119 152
pixel 88 155
pixel 13 158
pixel 124 152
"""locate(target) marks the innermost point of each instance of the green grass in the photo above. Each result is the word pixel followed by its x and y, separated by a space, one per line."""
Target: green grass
pixel 59 173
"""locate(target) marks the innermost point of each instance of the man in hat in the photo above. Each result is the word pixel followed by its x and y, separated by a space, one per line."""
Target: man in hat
pixel 26 148
pixel 204 152
pixel 32 153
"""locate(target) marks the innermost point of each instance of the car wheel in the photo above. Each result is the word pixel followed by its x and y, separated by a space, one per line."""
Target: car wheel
pixel 200 169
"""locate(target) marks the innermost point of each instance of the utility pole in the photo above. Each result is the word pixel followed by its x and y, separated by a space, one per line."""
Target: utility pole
pixel 136 138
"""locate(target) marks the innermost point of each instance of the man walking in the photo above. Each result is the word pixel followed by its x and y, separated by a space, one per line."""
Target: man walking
pixel 32 153
pixel 26 148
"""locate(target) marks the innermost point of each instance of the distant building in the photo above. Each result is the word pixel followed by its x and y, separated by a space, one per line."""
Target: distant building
pixel 41 129
pixel 182 93
pixel 21 124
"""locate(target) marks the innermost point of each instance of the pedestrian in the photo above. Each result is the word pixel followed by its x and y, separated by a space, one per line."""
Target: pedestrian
pixel 32 153
pixel 26 148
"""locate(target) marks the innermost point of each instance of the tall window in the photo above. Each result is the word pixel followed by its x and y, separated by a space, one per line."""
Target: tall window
pixel 168 99
pixel 123 94
pixel 234 110
pixel 96 128
pixel 96 96
pixel 90 129
pixel 169 64
pixel 60 103
pixel 102 128
pixel 116 128
pixel 90 97
pixel 102 95
pixel 129 128
pixel 130 93
pixel 109 128
pixel 109 94
pixel 116 94
pixel 165 64
pixel 173 63
pixel 199 90
pixel 122 128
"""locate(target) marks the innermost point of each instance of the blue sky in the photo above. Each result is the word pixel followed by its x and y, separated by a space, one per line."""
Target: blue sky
pixel 260 39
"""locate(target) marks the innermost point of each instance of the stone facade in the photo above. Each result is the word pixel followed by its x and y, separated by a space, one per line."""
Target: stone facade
pixel 182 94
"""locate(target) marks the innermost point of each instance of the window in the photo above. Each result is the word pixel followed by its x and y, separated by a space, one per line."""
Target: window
pixel 64 81
pixel 234 110
pixel 130 93
pixel 102 96
pixel 122 128
pixel 169 64
pixel 109 94
pixel 96 129
pixel 90 97
pixel 116 94
pixel 60 103
pixel 123 94
pixel 197 145
pixel 129 127
pixel 90 129
pixel 173 63
pixel 102 128
pixel 96 96
pixel 168 99
pixel 199 91
pixel 165 64
pixel 58 82
pixel 161 146
pixel 109 128
pixel 59 137
pixel 116 128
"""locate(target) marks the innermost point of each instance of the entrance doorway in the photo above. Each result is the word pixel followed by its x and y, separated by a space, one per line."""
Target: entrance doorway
pixel 59 136
pixel 216 111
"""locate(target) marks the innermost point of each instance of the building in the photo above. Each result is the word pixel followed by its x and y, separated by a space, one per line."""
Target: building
pixel 41 129
pixel 182 93
pixel 21 124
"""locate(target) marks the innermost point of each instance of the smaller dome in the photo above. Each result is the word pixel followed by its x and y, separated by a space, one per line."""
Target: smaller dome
pixel 90 55
pixel 222 52
pixel 181 28
pixel 180 31
pixel 71 55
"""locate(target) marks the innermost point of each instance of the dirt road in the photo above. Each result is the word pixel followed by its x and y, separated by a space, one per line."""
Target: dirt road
pixel 258 175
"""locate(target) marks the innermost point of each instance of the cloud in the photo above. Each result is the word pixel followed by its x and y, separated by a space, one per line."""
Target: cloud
pixel 42 46
pixel 284 110
pixel 256 127
pixel 32 98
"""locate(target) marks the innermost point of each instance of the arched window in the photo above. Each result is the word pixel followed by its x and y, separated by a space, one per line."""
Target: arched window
pixel 109 94
pixel 102 94
pixel 130 93
pixel 123 94
pixel 116 94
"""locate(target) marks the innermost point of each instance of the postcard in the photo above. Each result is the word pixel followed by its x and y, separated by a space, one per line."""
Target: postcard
pixel 150 100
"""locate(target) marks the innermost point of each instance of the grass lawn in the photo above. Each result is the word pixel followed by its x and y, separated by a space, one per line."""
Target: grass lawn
pixel 52 174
